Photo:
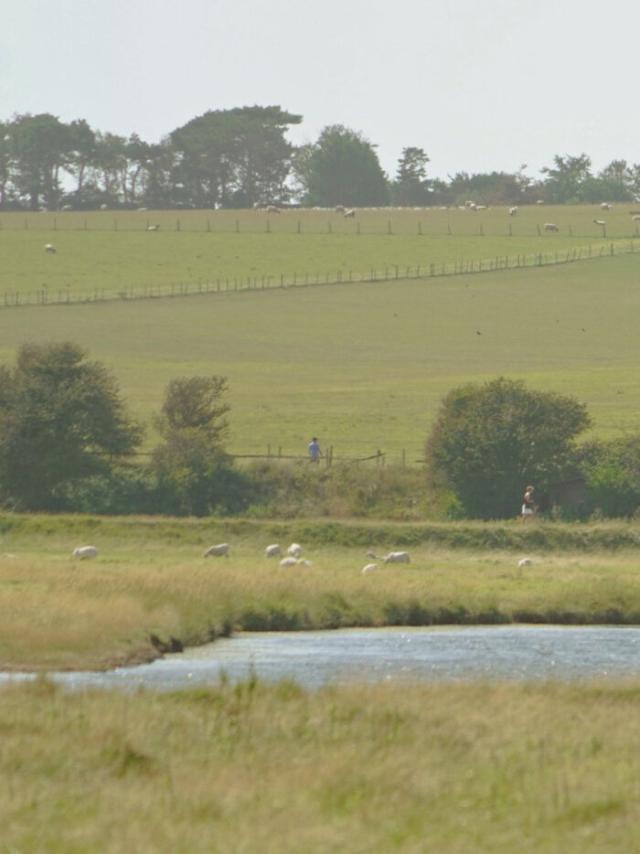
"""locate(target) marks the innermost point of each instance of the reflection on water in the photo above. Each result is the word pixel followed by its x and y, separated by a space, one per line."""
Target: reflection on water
pixel 375 655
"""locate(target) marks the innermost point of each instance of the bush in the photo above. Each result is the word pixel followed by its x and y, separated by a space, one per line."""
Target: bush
pixel 298 490
pixel 612 474
pixel 490 440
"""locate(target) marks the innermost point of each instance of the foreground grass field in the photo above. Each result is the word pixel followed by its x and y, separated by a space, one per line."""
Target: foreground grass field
pixel 151 589
pixel 474 768
pixel 364 366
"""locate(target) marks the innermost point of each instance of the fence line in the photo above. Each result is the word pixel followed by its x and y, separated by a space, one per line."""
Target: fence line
pixel 232 284
pixel 297 225
pixel 327 459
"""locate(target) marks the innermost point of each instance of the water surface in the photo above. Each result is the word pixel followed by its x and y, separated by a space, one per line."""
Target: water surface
pixel 313 659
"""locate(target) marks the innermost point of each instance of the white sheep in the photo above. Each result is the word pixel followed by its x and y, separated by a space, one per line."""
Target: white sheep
pixel 636 217
pixel 288 561
pixel 605 206
pixel 273 550
pixel 525 561
pixel 104 206
pixel 551 226
pixel 153 228
pixel 370 567
pixel 50 248
pixel 219 550
pixel 350 213
pixel 397 557
pixel 599 222
pixel 83 552
pixel 272 209
pixel 294 550
pixel 513 211
pixel 540 201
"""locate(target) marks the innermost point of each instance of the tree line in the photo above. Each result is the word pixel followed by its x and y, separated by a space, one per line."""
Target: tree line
pixel 241 158
pixel 67 443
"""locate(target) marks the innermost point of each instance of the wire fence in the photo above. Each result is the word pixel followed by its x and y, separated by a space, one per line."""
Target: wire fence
pixel 310 222
pixel 224 285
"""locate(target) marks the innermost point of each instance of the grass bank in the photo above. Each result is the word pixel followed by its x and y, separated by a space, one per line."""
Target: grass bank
pixel 151 589
pixel 274 769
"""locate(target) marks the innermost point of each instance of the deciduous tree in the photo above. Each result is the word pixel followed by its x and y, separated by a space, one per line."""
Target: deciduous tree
pixel 490 440
pixel 61 420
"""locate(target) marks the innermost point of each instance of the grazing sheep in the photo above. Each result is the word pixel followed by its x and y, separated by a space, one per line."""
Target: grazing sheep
pixel 513 211
pixel 397 557
pixel 350 213
pixel 294 550
pixel 303 562
pixel 219 550
pixel 525 561
pixel 540 201
pixel 272 209
pixel 273 550
pixel 83 552
pixel 599 222
pixel 550 226
pixel 606 206
pixel 288 561
pixel 50 248
pixel 153 228
pixel 370 567
pixel 104 207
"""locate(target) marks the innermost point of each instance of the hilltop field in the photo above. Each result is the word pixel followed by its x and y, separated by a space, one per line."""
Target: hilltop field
pixel 362 365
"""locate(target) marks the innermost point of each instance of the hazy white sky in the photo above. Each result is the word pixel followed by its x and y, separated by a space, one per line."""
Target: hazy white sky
pixel 479 84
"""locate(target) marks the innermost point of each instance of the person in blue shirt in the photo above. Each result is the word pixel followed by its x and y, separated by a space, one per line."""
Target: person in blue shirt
pixel 314 450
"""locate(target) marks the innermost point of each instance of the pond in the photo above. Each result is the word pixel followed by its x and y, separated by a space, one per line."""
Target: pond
pixel 317 658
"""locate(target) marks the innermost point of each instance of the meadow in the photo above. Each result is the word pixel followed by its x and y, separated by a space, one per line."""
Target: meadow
pixel 151 589
pixel 365 366
pixel 454 768
pixel 112 253
pixel 252 767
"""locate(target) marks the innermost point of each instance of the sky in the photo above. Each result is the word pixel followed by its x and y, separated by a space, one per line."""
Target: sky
pixel 480 85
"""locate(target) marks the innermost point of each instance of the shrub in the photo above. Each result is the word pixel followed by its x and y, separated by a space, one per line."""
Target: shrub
pixel 612 474
pixel 490 440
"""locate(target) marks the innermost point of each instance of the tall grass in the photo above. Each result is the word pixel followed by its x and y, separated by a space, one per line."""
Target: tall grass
pixel 275 769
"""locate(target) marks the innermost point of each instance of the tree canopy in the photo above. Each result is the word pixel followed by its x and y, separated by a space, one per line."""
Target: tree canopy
pixel 489 441
pixel 242 157
pixel 343 169
pixel 61 420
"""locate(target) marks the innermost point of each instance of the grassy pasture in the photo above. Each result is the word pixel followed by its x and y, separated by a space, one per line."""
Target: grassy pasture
pixel 364 366
pixel 482 768
pixel 150 579
pixel 115 252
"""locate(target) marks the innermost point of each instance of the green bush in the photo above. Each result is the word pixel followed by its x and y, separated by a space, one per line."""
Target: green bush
pixel 612 474
pixel 490 440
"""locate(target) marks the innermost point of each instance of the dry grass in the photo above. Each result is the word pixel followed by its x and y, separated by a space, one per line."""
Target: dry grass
pixel 275 769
